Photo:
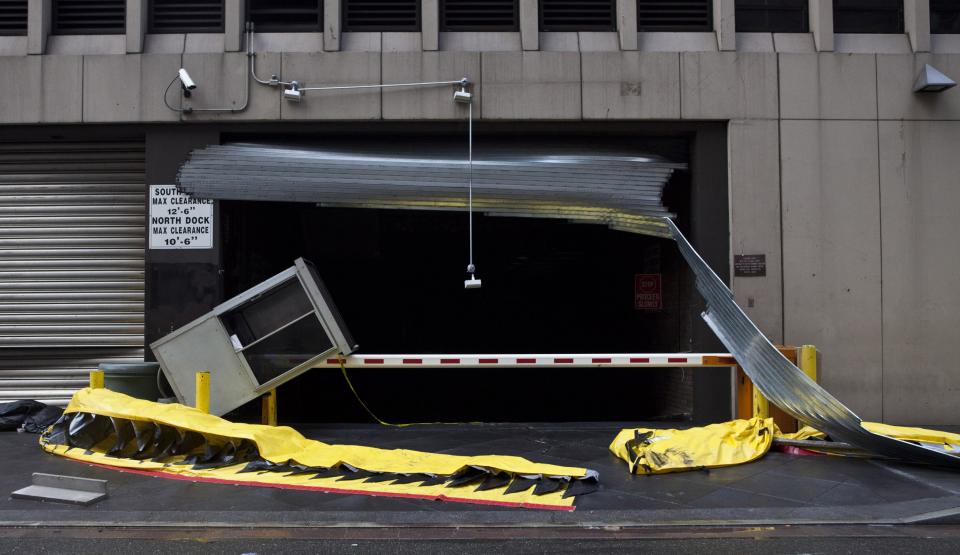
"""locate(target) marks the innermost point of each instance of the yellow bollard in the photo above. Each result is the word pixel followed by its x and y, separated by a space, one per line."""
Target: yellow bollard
pixel 203 391
pixel 808 361
pixel 268 408
pixel 96 379
pixel 761 407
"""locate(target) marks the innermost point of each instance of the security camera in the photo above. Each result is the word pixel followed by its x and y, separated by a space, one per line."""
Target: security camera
pixel 186 82
pixel 293 92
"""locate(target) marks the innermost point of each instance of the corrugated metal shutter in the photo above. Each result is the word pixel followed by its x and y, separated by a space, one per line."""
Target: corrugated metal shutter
pixel 612 185
pixel 179 16
pixel 381 15
pixel 89 17
pixel 868 16
pixel 287 16
pixel 13 17
pixel 675 15
pixel 944 16
pixel 479 15
pixel 71 263
pixel 772 16
pixel 578 15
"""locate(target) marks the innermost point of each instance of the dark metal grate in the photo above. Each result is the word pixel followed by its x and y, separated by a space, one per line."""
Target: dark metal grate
pixel 89 17
pixel 674 15
pixel 944 16
pixel 285 15
pixel 13 17
pixel 381 15
pixel 772 16
pixel 479 15
pixel 578 15
pixel 868 16
pixel 186 16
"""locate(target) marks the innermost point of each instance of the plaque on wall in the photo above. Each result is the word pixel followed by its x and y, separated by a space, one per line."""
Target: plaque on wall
pixel 749 265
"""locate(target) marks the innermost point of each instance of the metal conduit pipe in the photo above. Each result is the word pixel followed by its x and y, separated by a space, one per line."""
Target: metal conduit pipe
pixel 274 81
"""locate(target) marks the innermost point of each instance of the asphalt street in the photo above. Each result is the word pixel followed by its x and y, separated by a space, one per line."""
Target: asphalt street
pixel 929 539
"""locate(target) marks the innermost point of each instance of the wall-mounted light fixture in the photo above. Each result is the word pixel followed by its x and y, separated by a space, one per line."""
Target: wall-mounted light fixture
pixel 292 92
pixel 932 80
pixel 462 96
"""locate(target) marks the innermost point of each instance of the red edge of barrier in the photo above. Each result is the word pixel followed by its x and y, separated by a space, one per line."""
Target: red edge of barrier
pixel 800 451
pixel 323 489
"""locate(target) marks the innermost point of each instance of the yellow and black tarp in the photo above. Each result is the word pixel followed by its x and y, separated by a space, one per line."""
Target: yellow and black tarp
pixel 111 429
pixel 659 451
pixel 936 439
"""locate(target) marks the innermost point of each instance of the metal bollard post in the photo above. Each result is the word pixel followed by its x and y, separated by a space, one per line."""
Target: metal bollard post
pixel 268 408
pixel 96 379
pixel 761 407
pixel 202 401
pixel 808 361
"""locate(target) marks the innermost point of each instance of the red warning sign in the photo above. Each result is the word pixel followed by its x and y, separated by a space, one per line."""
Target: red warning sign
pixel 647 293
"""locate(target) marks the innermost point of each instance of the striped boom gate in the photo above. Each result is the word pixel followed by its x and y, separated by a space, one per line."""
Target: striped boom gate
pixel 620 360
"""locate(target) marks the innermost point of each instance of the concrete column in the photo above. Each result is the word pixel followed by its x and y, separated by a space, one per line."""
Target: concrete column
pixel 821 24
pixel 234 18
pixel 39 19
pixel 724 24
pixel 430 24
pixel 916 20
pixel 627 24
pixel 136 25
pixel 530 24
pixel 331 25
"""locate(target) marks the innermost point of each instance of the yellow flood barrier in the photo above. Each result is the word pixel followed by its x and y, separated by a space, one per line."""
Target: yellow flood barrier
pixel 111 429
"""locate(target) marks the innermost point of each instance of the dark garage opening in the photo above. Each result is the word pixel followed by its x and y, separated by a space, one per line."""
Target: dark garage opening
pixel 549 286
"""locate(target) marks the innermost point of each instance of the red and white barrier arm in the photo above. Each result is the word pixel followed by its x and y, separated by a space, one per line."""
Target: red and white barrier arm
pixel 620 360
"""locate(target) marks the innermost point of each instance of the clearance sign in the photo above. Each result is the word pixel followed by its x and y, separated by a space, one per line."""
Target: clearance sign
pixel 178 221
pixel 647 292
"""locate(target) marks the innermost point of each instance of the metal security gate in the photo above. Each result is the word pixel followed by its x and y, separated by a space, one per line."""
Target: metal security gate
pixel 71 263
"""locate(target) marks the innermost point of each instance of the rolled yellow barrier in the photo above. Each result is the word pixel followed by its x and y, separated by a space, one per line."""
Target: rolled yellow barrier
pixel 96 379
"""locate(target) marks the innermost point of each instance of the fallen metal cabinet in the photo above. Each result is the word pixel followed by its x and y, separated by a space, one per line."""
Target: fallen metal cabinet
pixel 254 342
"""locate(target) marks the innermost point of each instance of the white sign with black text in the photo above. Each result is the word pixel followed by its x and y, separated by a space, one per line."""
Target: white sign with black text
pixel 178 221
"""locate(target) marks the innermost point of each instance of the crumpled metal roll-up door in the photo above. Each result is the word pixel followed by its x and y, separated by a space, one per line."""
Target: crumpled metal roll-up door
pixel 71 263
pixel 613 186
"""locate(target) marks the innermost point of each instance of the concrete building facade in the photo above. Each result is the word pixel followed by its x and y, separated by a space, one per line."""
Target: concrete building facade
pixel 835 170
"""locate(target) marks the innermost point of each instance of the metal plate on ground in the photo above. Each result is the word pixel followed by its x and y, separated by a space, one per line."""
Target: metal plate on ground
pixel 63 489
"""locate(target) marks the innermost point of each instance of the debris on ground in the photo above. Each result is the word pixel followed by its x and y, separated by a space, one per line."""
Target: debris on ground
pixel 27 416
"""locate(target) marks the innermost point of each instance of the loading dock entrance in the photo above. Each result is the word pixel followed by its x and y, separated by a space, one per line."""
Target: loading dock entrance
pixel 374 260
pixel 549 287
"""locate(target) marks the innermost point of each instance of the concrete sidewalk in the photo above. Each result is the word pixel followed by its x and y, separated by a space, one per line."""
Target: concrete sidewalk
pixel 778 489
